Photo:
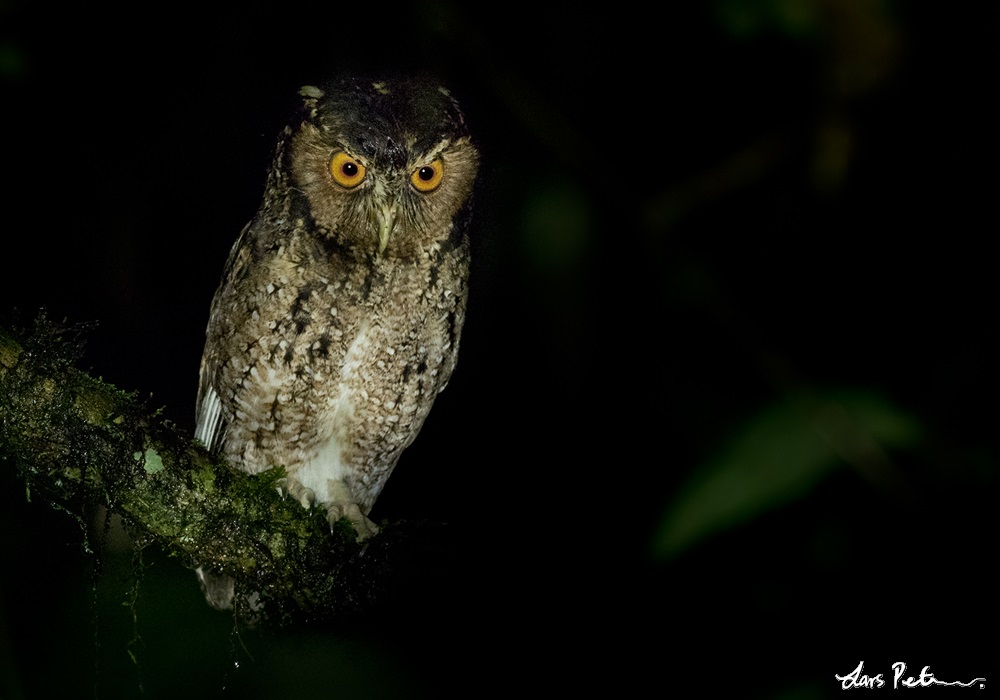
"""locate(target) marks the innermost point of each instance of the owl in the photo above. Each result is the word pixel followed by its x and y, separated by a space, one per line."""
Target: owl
pixel 338 317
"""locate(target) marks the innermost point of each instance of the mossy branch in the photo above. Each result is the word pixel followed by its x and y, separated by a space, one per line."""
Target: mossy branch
pixel 80 440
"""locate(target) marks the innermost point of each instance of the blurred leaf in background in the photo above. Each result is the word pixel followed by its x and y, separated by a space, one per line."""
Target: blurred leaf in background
pixel 556 227
pixel 791 18
pixel 778 456
pixel 11 61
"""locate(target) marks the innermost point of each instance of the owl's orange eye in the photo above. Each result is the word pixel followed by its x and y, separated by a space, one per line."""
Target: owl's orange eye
pixel 346 171
pixel 427 178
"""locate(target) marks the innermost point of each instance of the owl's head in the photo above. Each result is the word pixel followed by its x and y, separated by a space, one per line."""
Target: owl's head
pixel 386 167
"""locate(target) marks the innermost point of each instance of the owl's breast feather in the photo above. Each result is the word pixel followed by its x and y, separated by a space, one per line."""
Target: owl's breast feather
pixel 347 414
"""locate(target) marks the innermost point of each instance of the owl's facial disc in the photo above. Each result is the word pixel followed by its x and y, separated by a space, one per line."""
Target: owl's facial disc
pixel 350 173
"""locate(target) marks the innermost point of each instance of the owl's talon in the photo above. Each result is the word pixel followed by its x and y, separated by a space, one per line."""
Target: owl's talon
pixel 364 527
pixel 291 487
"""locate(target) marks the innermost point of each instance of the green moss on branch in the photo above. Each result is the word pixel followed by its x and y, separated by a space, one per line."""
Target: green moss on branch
pixel 80 440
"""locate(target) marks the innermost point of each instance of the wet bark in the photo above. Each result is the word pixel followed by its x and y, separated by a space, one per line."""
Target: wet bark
pixel 81 442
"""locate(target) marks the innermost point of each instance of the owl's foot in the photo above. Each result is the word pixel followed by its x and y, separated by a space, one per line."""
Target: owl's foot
pixel 364 527
pixel 288 486
pixel 342 505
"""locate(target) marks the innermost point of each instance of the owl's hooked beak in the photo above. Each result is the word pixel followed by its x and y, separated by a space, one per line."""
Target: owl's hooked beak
pixel 386 221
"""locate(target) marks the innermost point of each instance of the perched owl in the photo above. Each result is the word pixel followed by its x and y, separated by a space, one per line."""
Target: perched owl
pixel 338 317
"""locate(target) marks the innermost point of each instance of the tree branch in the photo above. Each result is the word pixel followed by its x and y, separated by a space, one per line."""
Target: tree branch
pixel 79 440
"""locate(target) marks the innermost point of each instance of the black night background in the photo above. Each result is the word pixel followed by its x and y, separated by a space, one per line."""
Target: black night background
pixel 724 418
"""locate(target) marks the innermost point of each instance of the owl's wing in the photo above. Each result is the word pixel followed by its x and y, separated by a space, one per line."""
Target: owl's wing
pixel 210 427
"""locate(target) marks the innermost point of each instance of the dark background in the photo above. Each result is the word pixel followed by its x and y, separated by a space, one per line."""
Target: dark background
pixel 702 229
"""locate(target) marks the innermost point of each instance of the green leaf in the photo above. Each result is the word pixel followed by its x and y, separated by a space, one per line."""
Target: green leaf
pixel 778 456
pixel 556 227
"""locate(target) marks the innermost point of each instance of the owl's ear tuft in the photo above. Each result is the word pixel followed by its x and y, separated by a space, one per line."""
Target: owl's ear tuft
pixel 311 96
pixel 311 91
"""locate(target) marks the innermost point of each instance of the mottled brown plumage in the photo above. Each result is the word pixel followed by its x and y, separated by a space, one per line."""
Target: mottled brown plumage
pixel 338 317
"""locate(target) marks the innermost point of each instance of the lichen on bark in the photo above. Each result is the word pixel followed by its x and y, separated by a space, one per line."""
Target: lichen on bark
pixel 81 441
